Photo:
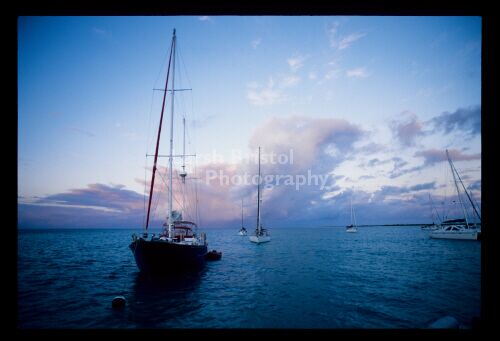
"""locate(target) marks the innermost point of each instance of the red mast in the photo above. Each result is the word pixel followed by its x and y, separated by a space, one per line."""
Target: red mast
pixel 159 133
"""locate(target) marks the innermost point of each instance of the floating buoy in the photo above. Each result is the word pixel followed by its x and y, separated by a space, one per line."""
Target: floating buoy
pixel 119 302
pixel 447 322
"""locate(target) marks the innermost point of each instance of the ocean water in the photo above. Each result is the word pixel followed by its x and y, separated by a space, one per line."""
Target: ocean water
pixel 380 277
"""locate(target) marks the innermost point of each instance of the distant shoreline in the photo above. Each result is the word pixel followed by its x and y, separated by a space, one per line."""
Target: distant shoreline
pixel 152 230
pixel 374 225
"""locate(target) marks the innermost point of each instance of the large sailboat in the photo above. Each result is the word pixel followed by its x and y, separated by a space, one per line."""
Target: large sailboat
pixel 179 247
pixel 458 228
pixel 261 234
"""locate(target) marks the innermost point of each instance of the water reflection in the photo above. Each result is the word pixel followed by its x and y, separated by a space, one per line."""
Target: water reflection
pixel 163 302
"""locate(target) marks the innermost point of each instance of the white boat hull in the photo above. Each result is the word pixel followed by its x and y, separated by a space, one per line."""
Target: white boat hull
pixel 242 233
pixel 464 235
pixel 259 239
pixel 351 230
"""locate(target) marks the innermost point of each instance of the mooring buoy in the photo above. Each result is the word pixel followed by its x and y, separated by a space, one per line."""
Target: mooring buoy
pixel 119 302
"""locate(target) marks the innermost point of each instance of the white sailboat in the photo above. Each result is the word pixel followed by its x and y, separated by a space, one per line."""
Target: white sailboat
pixel 458 228
pixel 433 226
pixel 243 230
pixel 261 234
pixel 353 227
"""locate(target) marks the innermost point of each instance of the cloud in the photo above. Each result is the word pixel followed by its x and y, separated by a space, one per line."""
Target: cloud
pixel 387 191
pixel 347 41
pixel 204 18
pixel 256 42
pixel 432 156
pixel 387 205
pixel 272 93
pixel 475 186
pixel 371 148
pixel 313 140
pixel 98 205
pixel 407 129
pixel 267 95
pixel 373 162
pixel 82 131
pixel 341 42
pixel 290 81
pixel 398 169
pixel 296 62
pixel 465 120
pixel 357 73
pixel 331 74
pixel 97 196
pixel 423 186
pixel 376 162
pixel 100 32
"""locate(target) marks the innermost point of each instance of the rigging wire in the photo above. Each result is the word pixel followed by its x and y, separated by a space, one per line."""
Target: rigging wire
pixel 149 139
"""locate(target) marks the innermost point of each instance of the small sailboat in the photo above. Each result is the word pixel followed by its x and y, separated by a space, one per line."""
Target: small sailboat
pixel 458 228
pixel 353 227
pixel 261 234
pixel 243 230
pixel 178 247
pixel 433 226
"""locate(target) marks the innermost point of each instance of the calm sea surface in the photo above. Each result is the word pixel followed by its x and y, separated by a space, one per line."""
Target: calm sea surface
pixel 380 277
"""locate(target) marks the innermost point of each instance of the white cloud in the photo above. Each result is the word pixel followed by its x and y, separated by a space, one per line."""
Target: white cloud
pixel 332 32
pixel 342 42
pixel 296 62
pixel 357 73
pixel 101 32
pixel 345 42
pixel 333 62
pixel 290 81
pixel 204 18
pixel 252 85
pixel 265 96
pixel 332 74
pixel 256 42
pixel 312 75
pixel 271 93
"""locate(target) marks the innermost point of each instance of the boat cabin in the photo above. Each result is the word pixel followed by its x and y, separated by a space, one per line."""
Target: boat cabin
pixel 181 230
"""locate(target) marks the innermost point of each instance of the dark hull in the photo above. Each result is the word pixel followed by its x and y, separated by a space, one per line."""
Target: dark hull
pixel 161 257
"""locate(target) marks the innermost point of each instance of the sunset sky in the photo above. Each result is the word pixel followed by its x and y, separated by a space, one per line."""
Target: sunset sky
pixel 370 103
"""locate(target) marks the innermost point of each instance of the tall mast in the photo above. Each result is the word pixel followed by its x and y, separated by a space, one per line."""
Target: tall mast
pixel 242 212
pixel 159 134
pixel 432 210
pixel 352 223
pixel 458 192
pixel 183 173
pixel 170 222
pixel 354 216
pixel 258 199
